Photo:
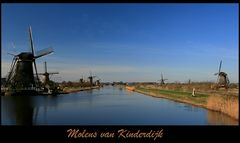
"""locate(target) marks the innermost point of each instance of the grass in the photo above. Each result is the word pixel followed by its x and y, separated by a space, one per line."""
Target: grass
pixel 227 105
pixel 178 95
pixel 222 103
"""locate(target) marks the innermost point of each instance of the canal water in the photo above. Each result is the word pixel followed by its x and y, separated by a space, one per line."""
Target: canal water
pixel 106 106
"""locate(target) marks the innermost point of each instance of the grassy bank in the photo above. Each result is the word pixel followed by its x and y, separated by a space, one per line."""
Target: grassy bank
pixel 225 104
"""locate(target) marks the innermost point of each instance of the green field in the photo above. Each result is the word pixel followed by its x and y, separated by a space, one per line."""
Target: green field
pixel 177 95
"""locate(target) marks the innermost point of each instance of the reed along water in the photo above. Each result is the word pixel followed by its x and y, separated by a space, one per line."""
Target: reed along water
pixel 106 106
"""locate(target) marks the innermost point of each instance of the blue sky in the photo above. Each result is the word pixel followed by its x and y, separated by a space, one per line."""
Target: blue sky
pixel 126 42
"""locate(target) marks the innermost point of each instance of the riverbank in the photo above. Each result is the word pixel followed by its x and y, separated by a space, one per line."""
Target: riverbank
pixel 131 88
pixel 225 104
pixel 67 90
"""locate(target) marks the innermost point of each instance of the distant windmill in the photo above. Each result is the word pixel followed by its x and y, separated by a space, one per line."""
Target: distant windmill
pixel 46 74
pixel 98 82
pixel 222 80
pixel 162 80
pixel 81 80
pixel 91 78
pixel 21 75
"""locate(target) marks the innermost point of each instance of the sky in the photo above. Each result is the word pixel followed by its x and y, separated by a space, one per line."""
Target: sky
pixel 126 42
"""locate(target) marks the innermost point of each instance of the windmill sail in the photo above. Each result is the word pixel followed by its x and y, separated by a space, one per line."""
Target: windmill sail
pixel 31 40
pixel 53 72
pixel 43 52
pixel 45 67
pixel 219 69
pixel 11 54
pixel 32 50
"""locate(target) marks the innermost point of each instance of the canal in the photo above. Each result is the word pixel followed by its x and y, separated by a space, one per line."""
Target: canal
pixel 106 106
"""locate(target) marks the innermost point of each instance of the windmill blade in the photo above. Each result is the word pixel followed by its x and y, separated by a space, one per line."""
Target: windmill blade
pixel 96 77
pixel 45 67
pixel 12 54
pixel 216 73
pixel 220 66
pixel 13 45
pixel 90 72
pixel 53 73
pixel 40 74
pixel 43 52
pixel 35 66
pixel 31 40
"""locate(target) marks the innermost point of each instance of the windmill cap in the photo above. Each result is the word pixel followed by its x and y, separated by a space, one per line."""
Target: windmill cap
pixel 25 56
pixel 222 74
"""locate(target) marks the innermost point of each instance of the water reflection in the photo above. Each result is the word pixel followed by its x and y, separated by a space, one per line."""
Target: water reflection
pixel 107 106
pixel 20 109
pixel 191 108
pixel 24 110
pixel 216 118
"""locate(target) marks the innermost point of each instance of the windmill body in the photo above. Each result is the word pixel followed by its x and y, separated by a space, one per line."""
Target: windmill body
pixel 46 78
pixel 98 82
pixel 81 80
pixel 21 75
pixel 222 80
pixel 91 80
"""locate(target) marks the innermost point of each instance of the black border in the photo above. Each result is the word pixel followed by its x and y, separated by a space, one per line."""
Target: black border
pixel 170 133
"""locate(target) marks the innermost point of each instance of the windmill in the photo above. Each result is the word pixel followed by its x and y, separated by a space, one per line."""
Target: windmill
pixel 91 78
pixel 46 74
pixel 162 80
pixel 98 82
pixel 222 80
pixel 81 80
pixel 21 76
